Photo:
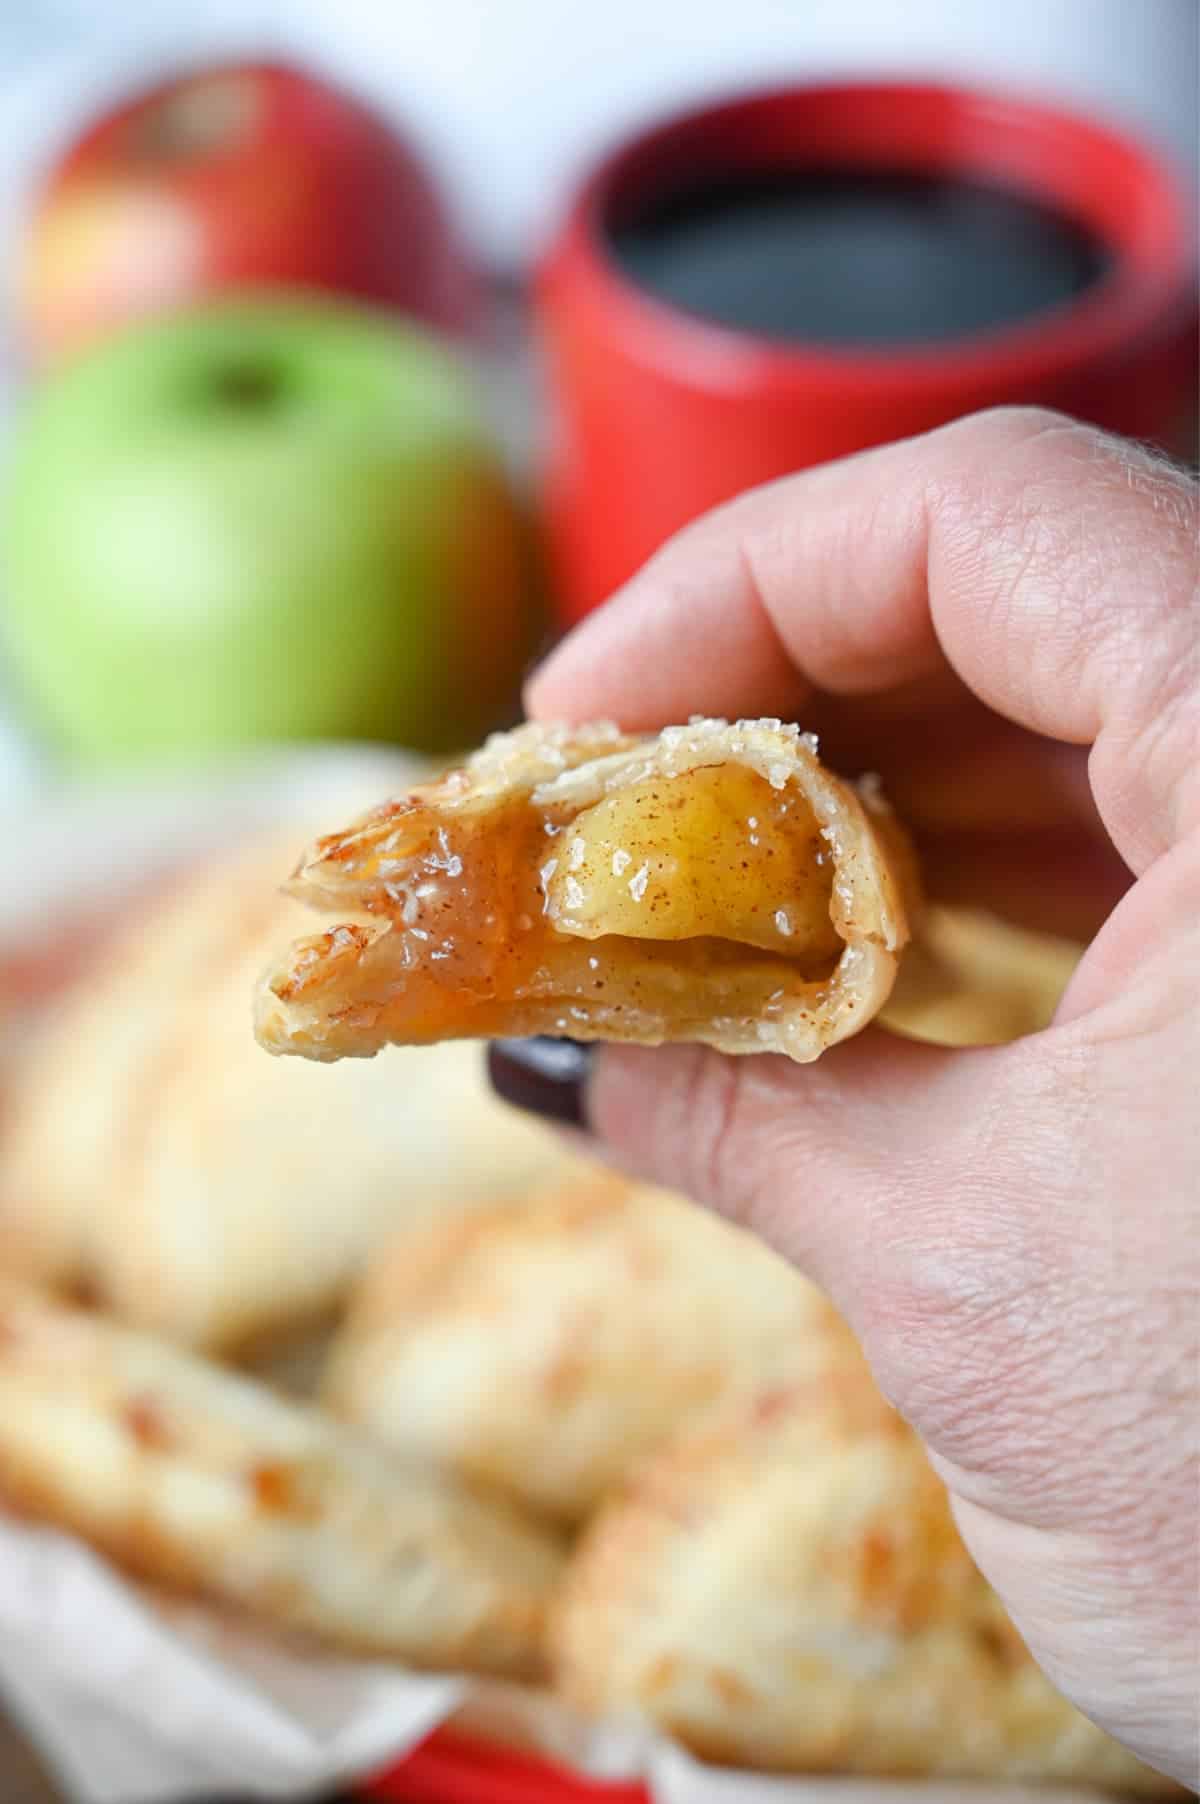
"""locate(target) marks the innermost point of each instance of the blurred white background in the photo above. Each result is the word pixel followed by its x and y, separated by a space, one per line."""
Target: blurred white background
pixel 511 96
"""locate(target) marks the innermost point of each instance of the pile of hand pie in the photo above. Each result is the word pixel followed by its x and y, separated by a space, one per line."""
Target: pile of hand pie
pixel 560 1427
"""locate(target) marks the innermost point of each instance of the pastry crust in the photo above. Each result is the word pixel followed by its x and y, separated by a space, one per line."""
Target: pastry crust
pixel 784 1588
pixel 541 1346
pixel 971 979
pixel 152 1157
pixel 451 921
pixel 195 1479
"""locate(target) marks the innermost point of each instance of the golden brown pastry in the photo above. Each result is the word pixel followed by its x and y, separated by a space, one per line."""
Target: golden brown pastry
pixel 971 979
pixel 540 1346
pixel 783 1587
pixel 151 1153
pixel 714 883
pixel 196 1479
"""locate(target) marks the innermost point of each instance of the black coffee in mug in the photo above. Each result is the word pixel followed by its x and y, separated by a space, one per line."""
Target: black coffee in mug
pixel 857 256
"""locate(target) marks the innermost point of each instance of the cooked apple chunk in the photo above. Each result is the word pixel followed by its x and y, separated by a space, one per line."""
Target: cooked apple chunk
pixel 715 853
pixel 714 883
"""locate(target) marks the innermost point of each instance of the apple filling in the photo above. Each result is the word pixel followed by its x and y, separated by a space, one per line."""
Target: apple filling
pixel 715 853
pixel 708 890
pixel 715 884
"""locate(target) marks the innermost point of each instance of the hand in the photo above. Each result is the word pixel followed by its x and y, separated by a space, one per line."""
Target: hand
pixel 1003 619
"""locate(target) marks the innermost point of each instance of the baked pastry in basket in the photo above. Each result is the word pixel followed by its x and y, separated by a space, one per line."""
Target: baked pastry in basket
pixel 543 1345
pixel 783 1587
pixel 713 883
pixel 194 1478
pixel 972 979
pixel 153 1156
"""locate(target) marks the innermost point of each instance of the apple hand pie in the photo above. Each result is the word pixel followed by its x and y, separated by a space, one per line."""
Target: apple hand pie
pixel 541 1346
pixel 714 883
pixel 203 1482
pixel 782 1586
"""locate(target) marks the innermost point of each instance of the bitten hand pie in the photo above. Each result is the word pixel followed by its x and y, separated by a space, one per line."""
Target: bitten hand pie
pixel 783 1587
pixel 196 1479
pixel 540 1346
pixel 715 883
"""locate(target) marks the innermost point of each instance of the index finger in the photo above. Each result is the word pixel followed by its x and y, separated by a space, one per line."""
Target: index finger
pixel 1051 568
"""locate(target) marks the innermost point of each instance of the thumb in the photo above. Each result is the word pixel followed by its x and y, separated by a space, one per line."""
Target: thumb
pixel 929 1192
pixel 936 1195
pixel 818 1160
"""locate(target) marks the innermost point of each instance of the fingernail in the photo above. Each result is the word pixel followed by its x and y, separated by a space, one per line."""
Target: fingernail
pixel 545 1076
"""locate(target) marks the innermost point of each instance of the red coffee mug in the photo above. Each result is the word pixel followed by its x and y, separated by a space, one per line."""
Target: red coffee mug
pixel 657 414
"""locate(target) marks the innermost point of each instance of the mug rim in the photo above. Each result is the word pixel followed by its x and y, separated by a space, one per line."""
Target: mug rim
pixel 974 131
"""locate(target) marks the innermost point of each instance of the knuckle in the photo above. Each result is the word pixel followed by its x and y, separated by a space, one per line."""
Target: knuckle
pixel 1150 744
pixel 989 451
pixel 1078 551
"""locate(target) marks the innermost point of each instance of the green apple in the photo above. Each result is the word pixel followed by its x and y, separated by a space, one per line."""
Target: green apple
pixel 260 521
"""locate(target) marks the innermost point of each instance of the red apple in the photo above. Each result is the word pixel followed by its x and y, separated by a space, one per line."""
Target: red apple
pixel 248 175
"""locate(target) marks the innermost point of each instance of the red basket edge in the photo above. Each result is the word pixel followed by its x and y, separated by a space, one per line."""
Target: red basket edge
pixel 449 1767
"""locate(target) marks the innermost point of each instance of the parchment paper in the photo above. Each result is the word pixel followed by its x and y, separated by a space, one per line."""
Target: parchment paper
pixel 133 1701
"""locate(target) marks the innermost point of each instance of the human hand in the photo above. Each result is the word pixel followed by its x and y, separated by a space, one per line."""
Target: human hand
pixel 1002 618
